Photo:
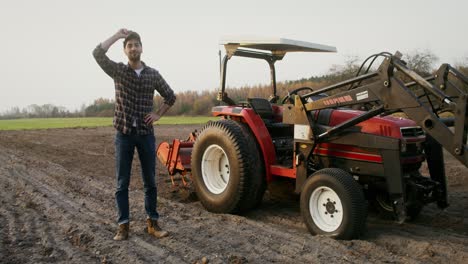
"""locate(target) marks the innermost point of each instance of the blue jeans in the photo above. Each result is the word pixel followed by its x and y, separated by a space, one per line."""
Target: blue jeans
pixel 124 150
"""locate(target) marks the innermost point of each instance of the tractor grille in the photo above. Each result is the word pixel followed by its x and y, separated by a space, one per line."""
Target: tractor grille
pixel 412 150
pixel 411 132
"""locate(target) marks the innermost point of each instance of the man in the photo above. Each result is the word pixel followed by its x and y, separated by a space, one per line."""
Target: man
pixel 133 119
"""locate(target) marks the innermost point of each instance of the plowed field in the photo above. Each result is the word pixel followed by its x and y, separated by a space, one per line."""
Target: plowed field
pixel 57 205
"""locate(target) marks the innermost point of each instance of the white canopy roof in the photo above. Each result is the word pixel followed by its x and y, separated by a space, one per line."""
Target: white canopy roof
pixel 275 45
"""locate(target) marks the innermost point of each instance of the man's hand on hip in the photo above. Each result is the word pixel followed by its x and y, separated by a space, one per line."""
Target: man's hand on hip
pixel 151 118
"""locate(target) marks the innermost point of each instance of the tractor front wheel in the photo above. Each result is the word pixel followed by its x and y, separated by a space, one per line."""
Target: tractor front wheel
pixel 333 204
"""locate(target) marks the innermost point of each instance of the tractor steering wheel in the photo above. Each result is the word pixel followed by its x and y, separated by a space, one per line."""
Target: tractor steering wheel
pixel 294 92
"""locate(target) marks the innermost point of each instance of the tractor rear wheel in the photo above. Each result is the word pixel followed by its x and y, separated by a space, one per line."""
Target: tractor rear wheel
pixel 225 168
pixel 257 180
pixel 333 204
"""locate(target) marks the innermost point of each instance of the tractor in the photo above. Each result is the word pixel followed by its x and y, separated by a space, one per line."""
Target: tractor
pixel 343 151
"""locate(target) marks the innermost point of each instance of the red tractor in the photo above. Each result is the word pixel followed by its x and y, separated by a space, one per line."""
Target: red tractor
pixel 340 159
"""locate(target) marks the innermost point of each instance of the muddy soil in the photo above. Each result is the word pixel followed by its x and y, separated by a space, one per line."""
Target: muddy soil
pixel 57 205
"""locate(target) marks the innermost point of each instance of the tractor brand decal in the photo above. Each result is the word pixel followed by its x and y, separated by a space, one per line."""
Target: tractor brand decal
pixel 342 99
pixel 362 95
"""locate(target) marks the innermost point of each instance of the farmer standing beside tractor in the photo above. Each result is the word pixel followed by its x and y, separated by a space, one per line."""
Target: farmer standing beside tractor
pixel 135 83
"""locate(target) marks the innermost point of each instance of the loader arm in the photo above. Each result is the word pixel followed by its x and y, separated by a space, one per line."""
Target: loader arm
pixel 391 94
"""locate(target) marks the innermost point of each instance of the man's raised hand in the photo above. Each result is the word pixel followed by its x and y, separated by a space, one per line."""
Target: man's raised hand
pixel 122 33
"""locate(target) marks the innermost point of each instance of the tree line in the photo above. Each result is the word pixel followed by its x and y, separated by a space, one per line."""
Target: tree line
pixel 191 103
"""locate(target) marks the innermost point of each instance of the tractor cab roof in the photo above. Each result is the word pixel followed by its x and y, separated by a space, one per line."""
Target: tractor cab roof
pixel 269 49
pixel 278 47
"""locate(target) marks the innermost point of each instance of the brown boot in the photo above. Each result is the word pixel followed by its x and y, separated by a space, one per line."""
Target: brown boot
pixel 154 229
pixel 122 233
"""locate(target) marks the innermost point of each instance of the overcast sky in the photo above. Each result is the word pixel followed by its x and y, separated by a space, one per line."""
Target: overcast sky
pixel 46 45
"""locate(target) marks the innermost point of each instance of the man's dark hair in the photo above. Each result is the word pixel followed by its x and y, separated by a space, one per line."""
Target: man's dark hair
pixel 132 35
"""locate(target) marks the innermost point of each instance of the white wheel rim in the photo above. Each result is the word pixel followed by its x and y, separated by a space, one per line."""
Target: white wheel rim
pixel 215 169
pixel 326 209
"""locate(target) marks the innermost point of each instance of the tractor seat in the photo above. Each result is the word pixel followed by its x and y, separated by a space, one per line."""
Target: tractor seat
pixel 262 107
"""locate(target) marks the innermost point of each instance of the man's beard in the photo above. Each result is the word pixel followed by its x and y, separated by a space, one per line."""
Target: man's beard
pixel 134 57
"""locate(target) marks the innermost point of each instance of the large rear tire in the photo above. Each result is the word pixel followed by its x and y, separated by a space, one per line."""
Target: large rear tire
pixel 257 179
pixel 225 168
pixel 333 204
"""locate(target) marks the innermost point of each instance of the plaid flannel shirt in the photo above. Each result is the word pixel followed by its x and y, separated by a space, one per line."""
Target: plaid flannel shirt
pixel 133 94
